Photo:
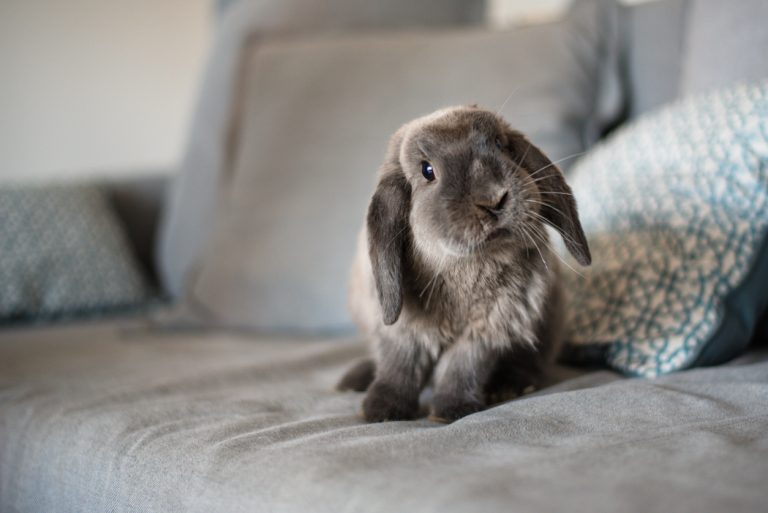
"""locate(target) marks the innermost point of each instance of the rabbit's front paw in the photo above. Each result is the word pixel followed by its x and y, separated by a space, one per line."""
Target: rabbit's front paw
pixel 446 408
pixel 385 402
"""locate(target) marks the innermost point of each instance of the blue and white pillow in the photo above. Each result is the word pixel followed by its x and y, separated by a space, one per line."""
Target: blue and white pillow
pixel 675 206
pixel 63 253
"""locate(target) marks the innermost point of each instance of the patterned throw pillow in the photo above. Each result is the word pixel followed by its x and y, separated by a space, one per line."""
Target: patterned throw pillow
pixel 63 253
pixel 676 210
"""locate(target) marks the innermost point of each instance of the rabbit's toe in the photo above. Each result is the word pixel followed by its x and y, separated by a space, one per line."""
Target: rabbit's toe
pixel 384 402
pixel 450 408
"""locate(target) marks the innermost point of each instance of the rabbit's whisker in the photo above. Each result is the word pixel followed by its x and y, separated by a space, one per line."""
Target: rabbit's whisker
pixel 525 154
pixel 531 182
pixel 556 162
pixel 541 255
pixel 440 269
pixel 566 263
pixel 434 277
pixel 549 205
pixel 549 223
pixel 394 237
pixel 506 100
pixel 555 192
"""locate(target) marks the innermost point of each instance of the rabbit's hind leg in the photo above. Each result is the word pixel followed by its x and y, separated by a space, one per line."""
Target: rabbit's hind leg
pixel 359 377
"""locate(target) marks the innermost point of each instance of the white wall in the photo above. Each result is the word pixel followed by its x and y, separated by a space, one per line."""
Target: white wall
pixel 507 13
pixel 97 87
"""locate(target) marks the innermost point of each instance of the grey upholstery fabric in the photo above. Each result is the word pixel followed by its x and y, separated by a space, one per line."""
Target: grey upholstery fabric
pixel 678 47
pixel 594 31
pixel 654 34
pixel 110 417
pixel 63 254
pixel 294 175
pixel 726 42
pixel 281 15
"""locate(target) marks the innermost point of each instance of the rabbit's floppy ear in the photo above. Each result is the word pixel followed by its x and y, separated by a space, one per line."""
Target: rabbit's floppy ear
pixel 559 204
pixel 387 224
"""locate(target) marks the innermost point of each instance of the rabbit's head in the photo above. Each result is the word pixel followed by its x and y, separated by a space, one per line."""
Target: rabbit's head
pixel 465 184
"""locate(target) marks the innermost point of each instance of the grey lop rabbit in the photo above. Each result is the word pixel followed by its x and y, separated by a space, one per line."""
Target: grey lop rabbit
pixel 454 278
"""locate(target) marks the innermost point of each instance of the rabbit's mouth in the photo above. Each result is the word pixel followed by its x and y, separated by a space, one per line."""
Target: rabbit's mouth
pixel 472 246
pixel 496 238
pixel 442 247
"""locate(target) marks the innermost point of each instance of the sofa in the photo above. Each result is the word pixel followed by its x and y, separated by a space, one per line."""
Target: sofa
pixel 204 399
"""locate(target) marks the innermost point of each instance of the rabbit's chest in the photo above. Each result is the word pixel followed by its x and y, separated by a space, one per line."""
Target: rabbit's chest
pixel 491 303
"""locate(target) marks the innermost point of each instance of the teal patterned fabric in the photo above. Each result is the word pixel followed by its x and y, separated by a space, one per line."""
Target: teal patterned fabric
pixel 675 206
pixel 63 253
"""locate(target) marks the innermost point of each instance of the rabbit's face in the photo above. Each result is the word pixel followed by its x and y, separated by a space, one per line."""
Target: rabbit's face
pixel 470 184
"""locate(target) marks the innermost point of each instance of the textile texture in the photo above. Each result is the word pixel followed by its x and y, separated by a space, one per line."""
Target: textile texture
pixel 63 253
pixel 674 206
pixel 114 418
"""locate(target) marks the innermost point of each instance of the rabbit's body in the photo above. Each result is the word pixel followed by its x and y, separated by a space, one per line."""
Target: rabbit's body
pixel 444 283
pixel 465 294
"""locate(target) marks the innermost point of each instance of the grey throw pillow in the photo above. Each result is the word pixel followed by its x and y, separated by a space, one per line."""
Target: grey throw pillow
pixel 63 253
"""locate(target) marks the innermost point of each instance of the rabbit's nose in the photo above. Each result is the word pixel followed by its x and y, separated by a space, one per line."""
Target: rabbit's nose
pixel 494 207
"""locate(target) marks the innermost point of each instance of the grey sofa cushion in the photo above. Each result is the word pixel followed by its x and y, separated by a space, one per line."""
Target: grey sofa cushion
pixel 282 15
pixel 725 42
pixel 654 34
pixel 593 31
pixel 677 47
pixel 106 418
pixel 312 125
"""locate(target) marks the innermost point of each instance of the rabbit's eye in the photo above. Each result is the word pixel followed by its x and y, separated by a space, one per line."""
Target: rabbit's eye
pixel 427 170
pixel 498 143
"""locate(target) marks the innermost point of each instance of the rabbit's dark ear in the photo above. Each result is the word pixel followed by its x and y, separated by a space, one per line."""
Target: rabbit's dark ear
pixel 559 204
pixel 387 234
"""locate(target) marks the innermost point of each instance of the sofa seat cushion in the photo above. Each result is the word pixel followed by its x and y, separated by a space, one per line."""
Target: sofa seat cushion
pixel 115 417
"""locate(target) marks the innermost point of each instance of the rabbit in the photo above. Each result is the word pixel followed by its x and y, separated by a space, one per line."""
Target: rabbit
pixel 454 279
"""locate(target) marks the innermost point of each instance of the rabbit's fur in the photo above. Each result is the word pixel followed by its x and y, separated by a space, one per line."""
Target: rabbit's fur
pixel 454 278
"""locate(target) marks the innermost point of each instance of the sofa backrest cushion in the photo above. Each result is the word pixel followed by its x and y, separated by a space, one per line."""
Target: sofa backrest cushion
pixel 725 42
pixel 263 219
pixel 304 15
pixel 677 47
